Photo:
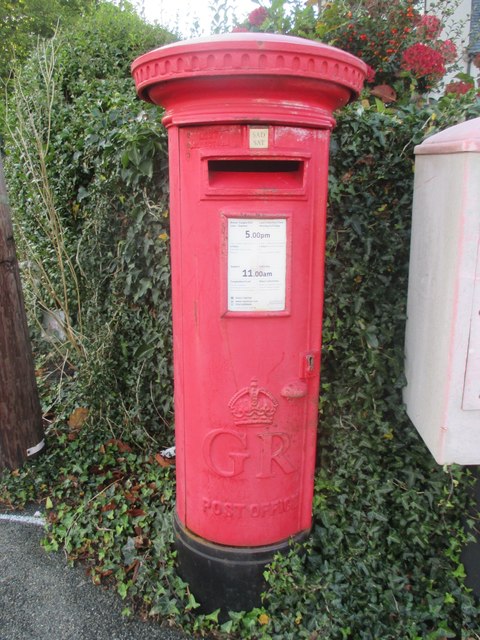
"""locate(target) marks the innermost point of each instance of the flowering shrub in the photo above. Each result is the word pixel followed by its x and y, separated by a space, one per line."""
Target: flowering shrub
pixel 402 47
pixel 374 31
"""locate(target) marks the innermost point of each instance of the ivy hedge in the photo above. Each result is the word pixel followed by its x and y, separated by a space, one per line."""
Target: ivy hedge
pixel 86 165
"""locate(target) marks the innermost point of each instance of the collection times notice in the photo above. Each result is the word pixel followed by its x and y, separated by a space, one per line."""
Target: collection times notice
pixel 257 264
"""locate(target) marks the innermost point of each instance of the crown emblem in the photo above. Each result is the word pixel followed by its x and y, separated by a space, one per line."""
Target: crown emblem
pixel 253 405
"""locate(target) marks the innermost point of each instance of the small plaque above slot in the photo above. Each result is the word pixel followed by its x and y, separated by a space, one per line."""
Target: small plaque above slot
pixel 258 137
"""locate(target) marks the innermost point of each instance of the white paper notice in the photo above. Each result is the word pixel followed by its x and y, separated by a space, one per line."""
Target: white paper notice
pixel 257 264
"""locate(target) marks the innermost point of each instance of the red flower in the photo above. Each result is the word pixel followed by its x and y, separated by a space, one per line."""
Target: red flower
pixel 257 16
pixel 448 50
pixel 458 87
pixel 429 27
pixel 423 61
pixel 370 73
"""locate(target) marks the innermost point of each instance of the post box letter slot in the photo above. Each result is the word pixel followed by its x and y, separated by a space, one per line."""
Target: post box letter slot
pixel 255 174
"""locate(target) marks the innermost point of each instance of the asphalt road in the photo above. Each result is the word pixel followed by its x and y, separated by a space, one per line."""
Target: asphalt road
pixel 41 598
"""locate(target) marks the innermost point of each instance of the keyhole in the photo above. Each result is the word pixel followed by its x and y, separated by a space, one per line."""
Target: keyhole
pixel 310 362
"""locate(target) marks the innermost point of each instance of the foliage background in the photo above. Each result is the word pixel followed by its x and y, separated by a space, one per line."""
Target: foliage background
pixel 92 211
pixel 86 164
pixel 24 22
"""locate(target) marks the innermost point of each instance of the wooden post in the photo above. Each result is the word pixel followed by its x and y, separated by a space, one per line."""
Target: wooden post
pixel 21 430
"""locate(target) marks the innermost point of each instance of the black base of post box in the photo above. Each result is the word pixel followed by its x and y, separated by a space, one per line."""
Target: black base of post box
pixel 226 578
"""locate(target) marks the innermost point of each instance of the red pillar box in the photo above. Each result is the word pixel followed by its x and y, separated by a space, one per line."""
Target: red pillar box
pixel 249 119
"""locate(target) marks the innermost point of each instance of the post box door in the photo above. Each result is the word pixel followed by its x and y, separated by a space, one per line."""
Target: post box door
pixel 471 389
pixel 248 247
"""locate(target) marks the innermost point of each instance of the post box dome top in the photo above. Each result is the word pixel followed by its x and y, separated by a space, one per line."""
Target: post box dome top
pixel 228 68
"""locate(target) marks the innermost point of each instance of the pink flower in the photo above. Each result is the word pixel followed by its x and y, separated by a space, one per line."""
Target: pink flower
pixel 239 29
pixel 423 61
pixel 429 27
pixel 370 73
pixel 448 50
pixel 257 16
